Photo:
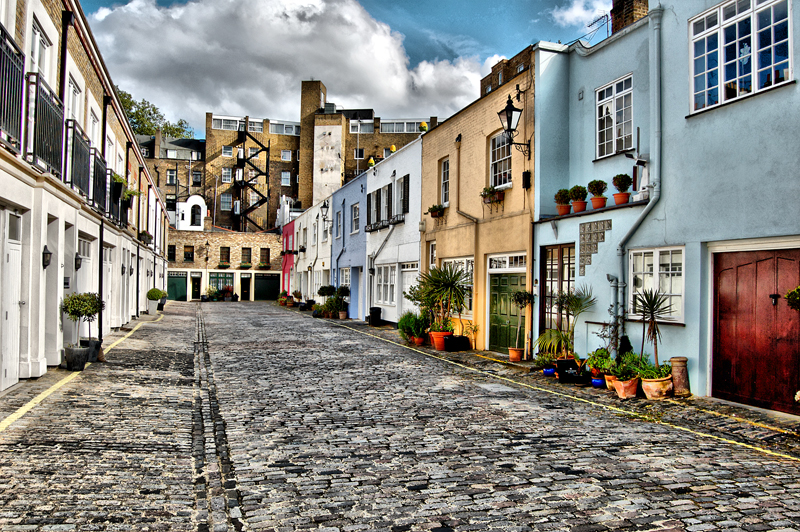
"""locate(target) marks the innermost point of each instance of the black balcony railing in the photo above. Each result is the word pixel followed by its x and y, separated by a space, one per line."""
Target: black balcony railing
pixel 115 197
pixel 78 165
pixel 12 84
pixel 398 219
pixel 45 126
pixel 99 180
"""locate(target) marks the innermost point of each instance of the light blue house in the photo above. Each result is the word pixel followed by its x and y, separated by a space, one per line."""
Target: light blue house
pixel 697 101
pixel 349 242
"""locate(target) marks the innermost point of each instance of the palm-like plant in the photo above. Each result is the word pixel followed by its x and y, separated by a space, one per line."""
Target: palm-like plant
pixel 654 306
pixel 521 298
pixel 448 288
pixel 575 303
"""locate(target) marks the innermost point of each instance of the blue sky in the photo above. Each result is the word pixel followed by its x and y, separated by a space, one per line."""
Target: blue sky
pixel 404 59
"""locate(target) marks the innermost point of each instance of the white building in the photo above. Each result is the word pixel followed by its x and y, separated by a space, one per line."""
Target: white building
pixel 313 242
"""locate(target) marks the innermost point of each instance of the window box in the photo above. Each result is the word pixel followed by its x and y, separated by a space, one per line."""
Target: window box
pixel 263 266
pixel 245 266
pixel 397 219
pixel 436 211
pixel 491 195
pixel 145 237
pixel 224 265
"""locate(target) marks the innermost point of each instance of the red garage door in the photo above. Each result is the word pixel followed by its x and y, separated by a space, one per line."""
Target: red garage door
pixel 756 335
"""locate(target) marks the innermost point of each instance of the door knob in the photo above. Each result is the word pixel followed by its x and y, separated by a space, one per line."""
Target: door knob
pixel 775 298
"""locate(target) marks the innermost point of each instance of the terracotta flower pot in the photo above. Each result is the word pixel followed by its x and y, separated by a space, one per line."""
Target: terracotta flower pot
pixel 438 339
pixel 621 198
pixel 610 381
pixel 657 389
pixel 579 206
pixel 419 340
pixel 514 354
pixel 598 202
pixel 626 389
pixel 563 209
pixel 342 314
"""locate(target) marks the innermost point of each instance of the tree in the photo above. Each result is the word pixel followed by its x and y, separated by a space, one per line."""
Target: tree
pixel 145 118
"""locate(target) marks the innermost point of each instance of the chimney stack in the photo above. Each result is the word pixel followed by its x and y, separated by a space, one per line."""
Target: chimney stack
pixel 626 12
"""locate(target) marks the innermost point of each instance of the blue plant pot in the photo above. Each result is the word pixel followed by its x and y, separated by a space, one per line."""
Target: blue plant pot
pixel 549 372
pixel 599 382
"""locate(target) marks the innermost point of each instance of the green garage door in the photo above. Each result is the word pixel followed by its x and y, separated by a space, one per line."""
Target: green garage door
pixel 503 314
pixel 267 287
pixel 176 286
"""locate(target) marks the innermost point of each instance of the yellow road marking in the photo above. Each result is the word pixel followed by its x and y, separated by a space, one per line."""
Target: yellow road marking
pixel 582 400
pixel 7 422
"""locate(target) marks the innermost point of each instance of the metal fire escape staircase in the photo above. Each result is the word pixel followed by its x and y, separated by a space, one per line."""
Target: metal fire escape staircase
pixel 242 183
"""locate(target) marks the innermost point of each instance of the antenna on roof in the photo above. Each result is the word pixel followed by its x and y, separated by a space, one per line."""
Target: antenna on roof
pixel 602 20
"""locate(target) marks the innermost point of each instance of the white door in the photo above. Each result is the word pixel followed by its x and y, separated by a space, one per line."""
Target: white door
pixel 409 280
pixel 12 278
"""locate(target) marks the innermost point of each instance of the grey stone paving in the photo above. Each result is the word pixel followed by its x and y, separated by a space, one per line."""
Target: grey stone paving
pixel 254 417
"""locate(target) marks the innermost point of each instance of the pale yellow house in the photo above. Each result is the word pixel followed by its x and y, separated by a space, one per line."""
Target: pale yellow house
pixel 460 158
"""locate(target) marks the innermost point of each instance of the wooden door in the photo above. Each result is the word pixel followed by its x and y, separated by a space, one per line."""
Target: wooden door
pixel 196 287
pixel 245 283
pixel 503 314
pixel 756 335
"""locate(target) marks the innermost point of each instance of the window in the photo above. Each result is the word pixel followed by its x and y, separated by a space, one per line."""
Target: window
pixel 172 154
pixel 558 275
pixel 225 202
pixel 400 127
pixel 324 231
pixel 286 155
pixel 197 156
pixel 172 177
pixel 338 224
pixel 385 205
pixel 197 178
pixel 284 129
pixel 227 175
pixel 501 160
pixel 287 129
pixel 252 152
pixel 432 254
pixel 500 78
pixel 314 234
pixel 264 258
pixel 386 281
pixel 94 132
pixel 225 123
pixel 305 236
pixel 445 182
pixel 344 277
pixel 225 254
pixel 247 255
pixel 73 98
pixel 251 174
pixel 358 126
pixel 171 253
pixel 661 270
pixel 751 42
pixel 615 117
pixel 188 253
pixel 227 151
pixel 354 218
pixel 253 198
pixel 467 265
pixel 286 179
pixel 40 45
pixel 358 153
pixel 255 127
pixel 520 68
pixel 217 280
pixel 488 89
pixel 197 216
pixel 387 152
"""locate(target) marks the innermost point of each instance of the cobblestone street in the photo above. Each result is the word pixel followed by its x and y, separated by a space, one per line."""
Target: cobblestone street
pixel 250 416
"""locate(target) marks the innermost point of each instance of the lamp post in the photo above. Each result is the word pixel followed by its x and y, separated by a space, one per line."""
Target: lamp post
pixel 509 118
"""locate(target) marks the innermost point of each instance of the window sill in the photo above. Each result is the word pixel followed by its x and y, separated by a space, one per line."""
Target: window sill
pixel 741 98
pixel 677 323
pixel 552 217
pixel 504 186
pixel 604 157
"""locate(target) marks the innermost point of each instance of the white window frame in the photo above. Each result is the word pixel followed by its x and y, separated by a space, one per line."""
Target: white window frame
pixel 172 154
pixel 73 102
pixel 314 234
pixel 286 155
pixel 197 182
pixel 344 277
pixel 358 153
pixel 444 182
pixel 338 224
pixel 362 127
pixel 227 151
pixel 145 151
pixel 227 175
pixel 225 124
pixel 656 255
pixel 387 152
pixel 749 55
pixel 226 202
pixel 253 198
pixel 611 103
pixel 255 127
pixel 500 161
pixel 41 46
pixel 354 218
pixel 432 254
pixel 385 202
pixel 286 179
pixel 172 176
pixel 465 264
pixel 386 279
pixel 252 152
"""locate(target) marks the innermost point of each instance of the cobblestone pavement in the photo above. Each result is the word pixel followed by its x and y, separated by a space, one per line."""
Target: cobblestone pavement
pixel 254 417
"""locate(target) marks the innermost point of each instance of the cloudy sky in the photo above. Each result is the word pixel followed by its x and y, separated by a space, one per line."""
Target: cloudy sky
pixel 416 58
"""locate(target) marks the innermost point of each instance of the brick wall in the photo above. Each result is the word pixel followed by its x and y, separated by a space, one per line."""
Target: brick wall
pixel 626 12
pixel 218 239
pixel 509 68
pixel 309 105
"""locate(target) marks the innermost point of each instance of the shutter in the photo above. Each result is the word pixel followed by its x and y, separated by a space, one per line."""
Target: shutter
pixel 369 209
pixel 389 201
pixel 406 181
pixel 377 205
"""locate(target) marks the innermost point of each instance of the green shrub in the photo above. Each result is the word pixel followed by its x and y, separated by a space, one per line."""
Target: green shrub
pixel 578 193
pixel 622 182
pixel 154 294
pixel 793 299
pixel 562 197
pixel 597 187
pixel 406 325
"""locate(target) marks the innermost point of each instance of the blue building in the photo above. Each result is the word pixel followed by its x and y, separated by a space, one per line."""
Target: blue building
pixel 701 125
pixel 349 242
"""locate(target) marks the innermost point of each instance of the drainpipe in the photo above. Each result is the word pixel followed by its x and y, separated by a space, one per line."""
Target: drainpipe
pixel 67 20
pixel 472 219
pixel 655 152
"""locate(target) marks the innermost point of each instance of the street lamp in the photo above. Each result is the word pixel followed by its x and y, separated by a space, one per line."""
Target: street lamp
pixel 47 256
pixel 78 261
pixel 324 209
pixel 509 118
pixel 208 246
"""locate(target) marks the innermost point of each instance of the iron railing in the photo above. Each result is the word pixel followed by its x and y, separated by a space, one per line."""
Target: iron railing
pixel 12 84
pixel 99 181
pixel 45 126
pixel 77 167
pixel 114 197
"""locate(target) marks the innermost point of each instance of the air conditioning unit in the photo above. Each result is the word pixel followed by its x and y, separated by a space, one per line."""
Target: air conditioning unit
pixel 237 207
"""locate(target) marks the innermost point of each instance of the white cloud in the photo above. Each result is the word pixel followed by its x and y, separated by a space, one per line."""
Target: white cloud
pixel 489 62
pixel 579 12
pixel 249 57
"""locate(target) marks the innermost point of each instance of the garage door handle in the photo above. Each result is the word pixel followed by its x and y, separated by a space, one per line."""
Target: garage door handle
pixel 775 298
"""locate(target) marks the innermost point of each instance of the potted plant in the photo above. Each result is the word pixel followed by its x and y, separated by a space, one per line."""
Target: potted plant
pixel 447 289
pixel 626 371
pixel 117 186
pixel 263 266
pixel 341 293
pixel 656 380
pixel 520 298
pixel 145 237
pixel 227 292
pixel 82 307
pixel 223 265
pixel 127 197
pixel 326 291
pixel 492 195
pixel 793 299
pixel 153 296
pixel 562 202
pixel 576 302
pixel 471 330
pixel 654 306
pixel 297 295
pixel 418 328
pixel 622 182
pixel 600 363
pixel 212 293
pixel 578 196
pixel 405 325
pixel 436 211
pixel 547 362
pixel 597 187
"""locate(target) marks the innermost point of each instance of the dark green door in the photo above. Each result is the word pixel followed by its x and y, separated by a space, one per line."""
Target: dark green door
pixel 267 287
pixel 176 286
pixel 503 315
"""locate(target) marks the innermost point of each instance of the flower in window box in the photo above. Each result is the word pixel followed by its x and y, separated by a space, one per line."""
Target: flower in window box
pixel 436 211
pixel 224 264
pixel 263 266
pixel 245 265
pixel 492 195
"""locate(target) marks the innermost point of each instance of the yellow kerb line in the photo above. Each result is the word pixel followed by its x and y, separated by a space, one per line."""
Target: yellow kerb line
pixel 580 399
pixel 7 422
